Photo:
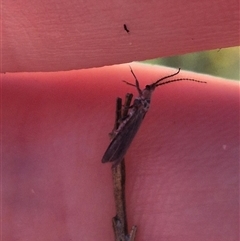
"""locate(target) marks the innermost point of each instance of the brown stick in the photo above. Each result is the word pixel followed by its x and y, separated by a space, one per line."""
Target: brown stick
pixel 118 172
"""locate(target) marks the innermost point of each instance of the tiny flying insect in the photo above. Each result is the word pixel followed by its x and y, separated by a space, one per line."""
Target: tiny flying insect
pixel 126 28
pixel 127 130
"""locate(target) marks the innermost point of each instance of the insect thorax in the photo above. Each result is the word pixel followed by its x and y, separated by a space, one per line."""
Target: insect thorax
pixel 142 102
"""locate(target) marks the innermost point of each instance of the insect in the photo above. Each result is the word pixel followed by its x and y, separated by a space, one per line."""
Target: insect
pixel 124 134
pixel 126 28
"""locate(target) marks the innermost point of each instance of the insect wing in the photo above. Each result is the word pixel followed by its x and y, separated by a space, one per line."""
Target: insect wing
pixel 121 142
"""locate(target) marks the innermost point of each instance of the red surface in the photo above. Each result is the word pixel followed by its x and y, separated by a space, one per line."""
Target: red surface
pixel 182 168
pixel 65 35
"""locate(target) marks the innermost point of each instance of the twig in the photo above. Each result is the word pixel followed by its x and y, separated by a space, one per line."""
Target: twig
pixel 118 172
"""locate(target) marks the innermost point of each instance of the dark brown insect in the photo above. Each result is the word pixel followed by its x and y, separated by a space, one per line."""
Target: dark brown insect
pixel 127 130
pixel 126 28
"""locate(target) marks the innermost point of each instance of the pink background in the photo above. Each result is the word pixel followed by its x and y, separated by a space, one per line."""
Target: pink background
pixel 183 166
pixel 65 35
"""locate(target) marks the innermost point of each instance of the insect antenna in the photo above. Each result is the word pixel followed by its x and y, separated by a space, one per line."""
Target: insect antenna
pixel 175 80
pixel 162 83
pixel 166 77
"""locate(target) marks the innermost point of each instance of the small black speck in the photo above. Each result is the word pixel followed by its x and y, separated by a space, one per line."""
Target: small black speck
pixel 126 28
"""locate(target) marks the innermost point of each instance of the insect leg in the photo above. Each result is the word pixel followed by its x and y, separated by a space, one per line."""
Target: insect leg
pixel 137 83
